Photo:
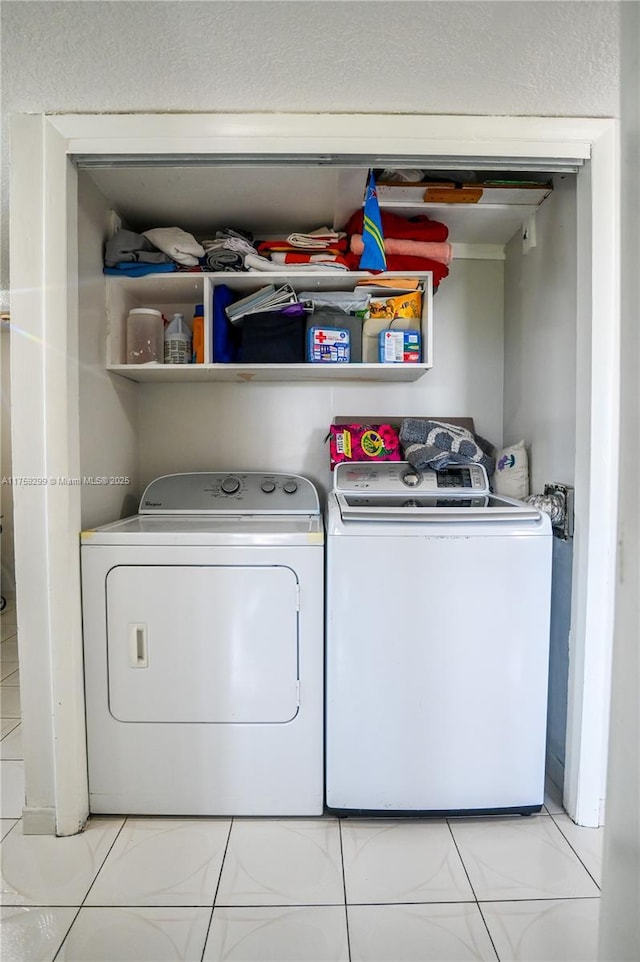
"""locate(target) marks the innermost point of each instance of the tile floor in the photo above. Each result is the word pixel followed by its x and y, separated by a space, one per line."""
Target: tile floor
pixel 290 890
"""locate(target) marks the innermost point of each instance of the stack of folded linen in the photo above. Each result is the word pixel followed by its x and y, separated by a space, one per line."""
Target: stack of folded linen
pixel 228 250
pixel 415 244
pixel 158 250
pixel 320 250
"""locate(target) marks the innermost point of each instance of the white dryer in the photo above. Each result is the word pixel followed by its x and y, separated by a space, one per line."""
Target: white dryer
pixel 203 648
pixel 438 601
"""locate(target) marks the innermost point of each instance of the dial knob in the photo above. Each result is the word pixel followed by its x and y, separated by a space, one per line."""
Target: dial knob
pixel 411 479
pixel 268 486
pixel 290 487
pixel 230 485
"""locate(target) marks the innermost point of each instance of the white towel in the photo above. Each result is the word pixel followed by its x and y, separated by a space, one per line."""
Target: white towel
pixel 181 247
pixel 317 239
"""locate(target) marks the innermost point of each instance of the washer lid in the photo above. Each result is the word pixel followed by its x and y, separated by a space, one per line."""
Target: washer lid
pixel 235 493
pixel 439 508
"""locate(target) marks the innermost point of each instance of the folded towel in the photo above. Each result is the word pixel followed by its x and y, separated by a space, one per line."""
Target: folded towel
pixel 436 251
pixel 434 444
pixel 283 246
pixel 221 259
pixel 254 262
pixel 332 260
pixel 318 239
pixel 420 228
pixel 181 246
pixel 140 270
pixel 229 243
pixel 128 247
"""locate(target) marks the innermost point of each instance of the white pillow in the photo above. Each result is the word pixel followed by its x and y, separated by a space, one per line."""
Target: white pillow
pixel 511 477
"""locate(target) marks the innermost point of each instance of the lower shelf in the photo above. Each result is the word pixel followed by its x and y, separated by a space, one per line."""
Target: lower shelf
pixel 167 373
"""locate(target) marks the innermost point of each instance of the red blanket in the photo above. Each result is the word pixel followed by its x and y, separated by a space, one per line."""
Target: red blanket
pixel 397 262
pixel 419 228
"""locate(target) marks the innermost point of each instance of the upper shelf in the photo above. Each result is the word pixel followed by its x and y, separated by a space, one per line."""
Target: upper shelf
pixel 269 199
pixel 477 224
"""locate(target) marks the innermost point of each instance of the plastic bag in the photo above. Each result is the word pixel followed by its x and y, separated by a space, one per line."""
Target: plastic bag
pixel 363 442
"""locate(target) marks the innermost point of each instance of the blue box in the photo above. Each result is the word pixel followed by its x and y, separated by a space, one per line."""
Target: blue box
pixel 399 347
pixel 328 345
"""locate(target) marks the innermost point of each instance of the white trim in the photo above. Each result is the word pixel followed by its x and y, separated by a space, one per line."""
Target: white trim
pixel 44 564
pixel 597 433
pixel 45 445
pixel 328 133
pixel 39 821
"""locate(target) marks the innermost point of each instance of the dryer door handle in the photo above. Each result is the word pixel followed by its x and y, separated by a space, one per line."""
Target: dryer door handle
pixel 138 646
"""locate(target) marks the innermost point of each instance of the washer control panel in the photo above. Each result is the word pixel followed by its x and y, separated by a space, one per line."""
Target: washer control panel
pixel 400 477
pixel 233 493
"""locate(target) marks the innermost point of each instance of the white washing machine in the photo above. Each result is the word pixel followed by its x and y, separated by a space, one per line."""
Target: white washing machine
pixel 438 605
pixel 203 647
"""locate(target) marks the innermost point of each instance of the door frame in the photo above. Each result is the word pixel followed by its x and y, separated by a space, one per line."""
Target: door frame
pixel 45 405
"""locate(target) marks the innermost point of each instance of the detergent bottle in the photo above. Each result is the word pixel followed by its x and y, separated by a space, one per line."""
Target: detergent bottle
pixel 177 341
pixel 198 334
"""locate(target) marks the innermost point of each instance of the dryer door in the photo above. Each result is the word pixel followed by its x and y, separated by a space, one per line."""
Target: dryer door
pixel 194 643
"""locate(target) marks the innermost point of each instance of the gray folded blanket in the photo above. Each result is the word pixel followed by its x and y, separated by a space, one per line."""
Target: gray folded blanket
pixel 223 259
pixel 128 247
pixel 434 444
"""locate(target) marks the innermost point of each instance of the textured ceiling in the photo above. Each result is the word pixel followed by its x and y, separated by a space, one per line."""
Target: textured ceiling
pixel 506 58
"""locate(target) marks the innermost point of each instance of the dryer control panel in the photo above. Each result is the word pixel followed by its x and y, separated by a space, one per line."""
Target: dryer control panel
pixel 400 477
pixel 230 492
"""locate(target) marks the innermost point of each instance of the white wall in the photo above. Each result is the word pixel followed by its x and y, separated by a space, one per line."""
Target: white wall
pixel 620 919
pixel 283 426
pixel 540 404
pixel 548 59
pixel 540 339
pixel 108 404
pixel 502 58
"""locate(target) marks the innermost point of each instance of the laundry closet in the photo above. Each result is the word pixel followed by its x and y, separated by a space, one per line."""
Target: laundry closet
pixel 500 334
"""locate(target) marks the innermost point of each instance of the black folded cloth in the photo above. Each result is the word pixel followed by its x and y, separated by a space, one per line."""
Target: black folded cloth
pixel 273 337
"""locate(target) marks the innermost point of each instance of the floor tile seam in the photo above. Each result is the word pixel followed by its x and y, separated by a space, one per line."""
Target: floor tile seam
pixel 5 681
pixel 10 671
pixel 215 894
pixel 543 898
pixel 279 905
pixel 455 842
pixel 15 822
pixel 344 889
pixel 66 934
pixel 577 854
pixel 488 931
pixel 93 881
pixel 6 734
pixel 408 902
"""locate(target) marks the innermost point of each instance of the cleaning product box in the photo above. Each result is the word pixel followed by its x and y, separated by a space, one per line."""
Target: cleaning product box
pixel 399 347
pixel 328 345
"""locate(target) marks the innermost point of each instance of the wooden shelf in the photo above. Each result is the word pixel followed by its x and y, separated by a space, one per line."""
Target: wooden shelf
pixel 180 291
pixel 246 373
pixel 481 224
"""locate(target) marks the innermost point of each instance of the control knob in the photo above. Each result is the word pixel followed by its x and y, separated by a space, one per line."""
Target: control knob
pixel 230 485
pixel 411 479
pixel 290 487
pixel 268 486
